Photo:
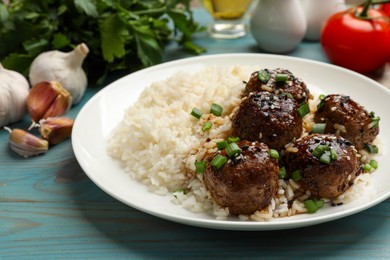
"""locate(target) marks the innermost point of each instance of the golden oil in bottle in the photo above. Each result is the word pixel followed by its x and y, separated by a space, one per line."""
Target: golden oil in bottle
pixel 227 9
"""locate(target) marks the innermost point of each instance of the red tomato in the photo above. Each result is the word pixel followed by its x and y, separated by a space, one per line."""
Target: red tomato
pixel 358 44
pixel 385 8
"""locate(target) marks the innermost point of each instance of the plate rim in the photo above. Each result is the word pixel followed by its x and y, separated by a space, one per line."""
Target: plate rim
pixel 213 223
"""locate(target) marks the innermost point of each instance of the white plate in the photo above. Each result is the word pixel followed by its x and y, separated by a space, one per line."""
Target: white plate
pixel 103 112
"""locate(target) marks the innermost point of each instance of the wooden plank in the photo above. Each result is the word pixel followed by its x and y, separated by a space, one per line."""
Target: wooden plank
pixel 114 230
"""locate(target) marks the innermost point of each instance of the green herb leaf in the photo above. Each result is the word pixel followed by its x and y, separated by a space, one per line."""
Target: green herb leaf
pixel 113 34
pixel 148 49
pixel 60 41
pixel 16 60
pixel 86 6
pixel 35 46
pixel 120 34
pixel 3 13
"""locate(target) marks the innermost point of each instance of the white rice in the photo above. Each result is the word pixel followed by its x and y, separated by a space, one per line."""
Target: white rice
pixel 158 141
pixel 158 132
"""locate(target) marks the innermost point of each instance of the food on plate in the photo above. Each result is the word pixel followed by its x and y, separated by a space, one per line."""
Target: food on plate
pixel 324 165
pixel 158 131
pixel 278 81
pixel 344 117
pixel 269 118
pixel 247 181
pixel 196 136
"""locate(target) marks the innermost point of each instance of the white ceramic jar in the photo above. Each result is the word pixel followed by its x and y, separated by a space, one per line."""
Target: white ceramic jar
pixel 278 26
pixel 317 12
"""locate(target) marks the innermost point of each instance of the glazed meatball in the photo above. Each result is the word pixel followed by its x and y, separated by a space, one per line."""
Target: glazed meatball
pixel 325 165
pixel 294 86
pixel 346 118
pixel 268 118
pixel 245 183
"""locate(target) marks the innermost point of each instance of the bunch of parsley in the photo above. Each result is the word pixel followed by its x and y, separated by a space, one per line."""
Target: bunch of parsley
pixel 121 34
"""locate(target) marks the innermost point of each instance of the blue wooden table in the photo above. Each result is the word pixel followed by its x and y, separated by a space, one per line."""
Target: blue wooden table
pixel 49 209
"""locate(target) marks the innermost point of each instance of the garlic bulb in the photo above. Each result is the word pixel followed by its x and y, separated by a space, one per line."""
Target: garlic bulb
pixel 64 67
pixel 14 90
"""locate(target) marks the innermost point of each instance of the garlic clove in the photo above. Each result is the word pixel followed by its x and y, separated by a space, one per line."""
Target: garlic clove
pixel 59 106
pixel 26 144
pixel 64 67
pixel 40 98
pixel 56 129
pixel 47 99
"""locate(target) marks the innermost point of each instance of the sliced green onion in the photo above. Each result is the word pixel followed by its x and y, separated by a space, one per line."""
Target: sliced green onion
pixel 233 149
pixel 184 191
pixel 318 128
pixel 319 203
pixel 320 150
pixel 263 76
pixel 200 167
pixel 325 158
pixel 322 101
pixel 222 144
pixel 196 112
pixel 320 105
pixel 333 154
pixel 233 139
pixel 303 110
pixel 374 124
pixel 311 206
pixel 367 167
pixel 273 153
pixel 281 77
pixel 371 148
pixel 374 120
pixel 282 173
pixel 216 109
pixel 207 126
pixel 218 161
pixel 374 164
pixel 287 94
pixel 296 175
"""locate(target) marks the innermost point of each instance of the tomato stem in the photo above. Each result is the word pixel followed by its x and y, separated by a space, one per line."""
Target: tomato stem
pixel 380 2
pixel 366 7
pixel 364 12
